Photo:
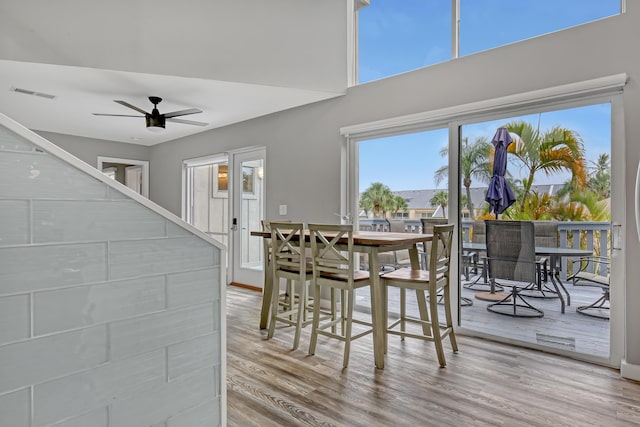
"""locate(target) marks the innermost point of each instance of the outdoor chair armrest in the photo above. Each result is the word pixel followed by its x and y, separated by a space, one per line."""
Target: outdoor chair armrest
pixel 593 279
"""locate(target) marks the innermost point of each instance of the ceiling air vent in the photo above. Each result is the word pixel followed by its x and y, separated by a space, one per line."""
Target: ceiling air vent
pixel 32 92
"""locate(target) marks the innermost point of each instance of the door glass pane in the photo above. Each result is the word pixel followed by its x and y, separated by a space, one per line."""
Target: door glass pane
pixel 251 213
pixel 558 169
pixel 403 179
pixel 208 198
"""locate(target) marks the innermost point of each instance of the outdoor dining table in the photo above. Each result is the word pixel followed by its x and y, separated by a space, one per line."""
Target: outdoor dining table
pixel 554 254
pixel 371 243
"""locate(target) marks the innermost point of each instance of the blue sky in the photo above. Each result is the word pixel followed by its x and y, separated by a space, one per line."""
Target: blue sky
pixel 401 35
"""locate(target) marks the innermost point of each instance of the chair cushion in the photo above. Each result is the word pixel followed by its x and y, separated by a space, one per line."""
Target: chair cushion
pixel 592 277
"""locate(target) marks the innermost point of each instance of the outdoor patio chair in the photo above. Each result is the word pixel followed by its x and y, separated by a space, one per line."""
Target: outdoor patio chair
pixel 476 261
pixel 400 258
pixel 334 269
pixel 428 284
pixel 511 256
pixel 593 271
pixel 388 261
pixel 289 262
pixel 546 235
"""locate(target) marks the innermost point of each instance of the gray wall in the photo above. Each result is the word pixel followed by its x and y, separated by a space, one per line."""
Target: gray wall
pixel 88 149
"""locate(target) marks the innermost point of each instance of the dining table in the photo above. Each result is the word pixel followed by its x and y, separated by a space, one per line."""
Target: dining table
pixel 371 243
pixel 554 254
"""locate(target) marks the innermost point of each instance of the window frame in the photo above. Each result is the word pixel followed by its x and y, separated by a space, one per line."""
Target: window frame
pixel 602 90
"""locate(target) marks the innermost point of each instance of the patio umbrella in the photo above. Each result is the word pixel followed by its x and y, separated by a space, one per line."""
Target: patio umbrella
pixel 499 195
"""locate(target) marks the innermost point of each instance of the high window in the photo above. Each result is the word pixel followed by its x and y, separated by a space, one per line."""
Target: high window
pixel 395 36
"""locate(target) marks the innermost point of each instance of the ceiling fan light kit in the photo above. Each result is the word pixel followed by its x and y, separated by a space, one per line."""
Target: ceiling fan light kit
pixel 154 120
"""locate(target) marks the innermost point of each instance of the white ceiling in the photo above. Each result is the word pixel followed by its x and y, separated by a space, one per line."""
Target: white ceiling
pixel 235 60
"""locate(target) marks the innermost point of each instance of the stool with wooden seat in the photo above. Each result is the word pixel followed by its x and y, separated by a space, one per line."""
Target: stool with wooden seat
pixel 289 262
pixel 333 268
pixel 429 283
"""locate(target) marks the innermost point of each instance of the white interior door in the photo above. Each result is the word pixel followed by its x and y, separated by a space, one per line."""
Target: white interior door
pixel 133 178
pixel 247 210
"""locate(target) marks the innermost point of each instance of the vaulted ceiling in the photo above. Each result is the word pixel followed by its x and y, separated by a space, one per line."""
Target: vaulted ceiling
pixel 232 59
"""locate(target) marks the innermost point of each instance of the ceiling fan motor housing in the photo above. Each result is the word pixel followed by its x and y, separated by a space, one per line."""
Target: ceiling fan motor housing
pixel 155 119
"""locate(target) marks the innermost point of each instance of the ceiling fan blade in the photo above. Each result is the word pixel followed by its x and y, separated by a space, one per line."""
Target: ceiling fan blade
pixel 133 107
pixel 187 122
pixel 182 113
pixel 116 115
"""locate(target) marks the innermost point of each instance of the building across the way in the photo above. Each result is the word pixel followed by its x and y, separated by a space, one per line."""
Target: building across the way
pixel 419 202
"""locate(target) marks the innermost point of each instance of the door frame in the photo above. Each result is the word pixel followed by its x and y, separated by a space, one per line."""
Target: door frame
pixel 129 162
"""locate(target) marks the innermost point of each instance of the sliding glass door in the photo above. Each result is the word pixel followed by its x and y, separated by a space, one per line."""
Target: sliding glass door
pixel 564 165
pixel 558 168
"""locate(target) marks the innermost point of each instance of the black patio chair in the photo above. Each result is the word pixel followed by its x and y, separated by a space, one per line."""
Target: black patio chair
pixel 511 256
pixel 593 271
pixel 476 261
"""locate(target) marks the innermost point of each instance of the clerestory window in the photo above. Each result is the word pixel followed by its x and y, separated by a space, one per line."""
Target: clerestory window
pixel 396 36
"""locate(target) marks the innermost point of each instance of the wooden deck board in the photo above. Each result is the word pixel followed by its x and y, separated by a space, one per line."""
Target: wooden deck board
pixel 571 330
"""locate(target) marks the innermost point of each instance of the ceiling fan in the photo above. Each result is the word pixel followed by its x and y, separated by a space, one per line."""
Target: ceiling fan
pixel 155 120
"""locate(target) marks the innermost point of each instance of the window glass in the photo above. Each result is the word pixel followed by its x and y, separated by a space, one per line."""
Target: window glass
pixel 395 36
pixel 547 162
pixel 248 174
pixel 411 167
pixel 223 177
pixel 491 23
pixel 558 168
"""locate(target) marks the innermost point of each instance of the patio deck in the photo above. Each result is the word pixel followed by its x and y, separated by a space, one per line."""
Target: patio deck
pixel 570 331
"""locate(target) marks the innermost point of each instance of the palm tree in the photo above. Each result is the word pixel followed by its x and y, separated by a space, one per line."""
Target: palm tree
pixel 551 151
pixel 600 178
pixel 379 199
pixel 474 164
pixel 441 198
pixel 398 203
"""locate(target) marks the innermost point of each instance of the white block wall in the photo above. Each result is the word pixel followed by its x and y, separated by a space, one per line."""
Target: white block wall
pixel 110 313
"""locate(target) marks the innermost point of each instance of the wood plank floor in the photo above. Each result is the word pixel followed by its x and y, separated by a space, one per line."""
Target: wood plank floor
pixel 485 384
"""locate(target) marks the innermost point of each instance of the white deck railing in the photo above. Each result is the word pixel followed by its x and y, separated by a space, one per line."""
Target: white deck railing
pixel 590 235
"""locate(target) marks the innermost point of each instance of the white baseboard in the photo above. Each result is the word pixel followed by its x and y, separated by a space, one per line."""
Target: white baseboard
pixel 629 370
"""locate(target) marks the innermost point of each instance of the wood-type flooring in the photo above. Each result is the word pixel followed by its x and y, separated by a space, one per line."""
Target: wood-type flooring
pixel 485 384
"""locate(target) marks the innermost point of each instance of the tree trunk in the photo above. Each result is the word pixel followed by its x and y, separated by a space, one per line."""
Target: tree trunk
pixel 469 201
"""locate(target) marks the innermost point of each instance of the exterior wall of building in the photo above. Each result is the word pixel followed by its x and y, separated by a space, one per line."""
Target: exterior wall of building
pixel 110 313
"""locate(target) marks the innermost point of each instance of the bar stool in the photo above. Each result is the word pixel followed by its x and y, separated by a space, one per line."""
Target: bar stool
pixel 333 268
pixel 433 282
pixel 289 262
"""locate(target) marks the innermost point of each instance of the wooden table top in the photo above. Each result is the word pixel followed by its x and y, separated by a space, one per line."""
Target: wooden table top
pixel 375 238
